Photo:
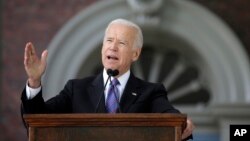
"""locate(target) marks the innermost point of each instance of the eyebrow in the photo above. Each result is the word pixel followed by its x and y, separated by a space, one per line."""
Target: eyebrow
pixel 109 38
pixel 125 41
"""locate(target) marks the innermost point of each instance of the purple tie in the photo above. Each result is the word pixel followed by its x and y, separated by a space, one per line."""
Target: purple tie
pixel 113 94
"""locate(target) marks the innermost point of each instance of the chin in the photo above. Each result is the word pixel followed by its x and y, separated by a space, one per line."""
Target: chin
pixel 110 67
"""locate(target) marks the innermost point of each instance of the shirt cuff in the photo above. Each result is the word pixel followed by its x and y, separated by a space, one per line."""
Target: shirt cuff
pixel 32 92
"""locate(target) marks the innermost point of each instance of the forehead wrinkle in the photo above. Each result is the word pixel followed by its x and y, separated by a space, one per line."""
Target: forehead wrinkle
pixel 121 33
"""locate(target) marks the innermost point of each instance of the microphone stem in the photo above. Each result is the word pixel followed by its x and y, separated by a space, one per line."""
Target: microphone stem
pixel 110 73
pixel 98 104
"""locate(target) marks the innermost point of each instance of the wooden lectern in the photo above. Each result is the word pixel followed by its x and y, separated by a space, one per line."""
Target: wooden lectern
pixel 105 127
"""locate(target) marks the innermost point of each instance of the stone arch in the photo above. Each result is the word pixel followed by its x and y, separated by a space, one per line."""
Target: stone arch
pixel 196 33
pixel 224 59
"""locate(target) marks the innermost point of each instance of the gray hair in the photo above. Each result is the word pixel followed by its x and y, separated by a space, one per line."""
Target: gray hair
pixel 139 37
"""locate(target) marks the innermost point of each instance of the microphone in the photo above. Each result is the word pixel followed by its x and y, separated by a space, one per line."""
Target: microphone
pixel 110 73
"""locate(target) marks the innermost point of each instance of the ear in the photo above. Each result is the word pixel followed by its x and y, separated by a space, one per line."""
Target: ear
pixel 136 54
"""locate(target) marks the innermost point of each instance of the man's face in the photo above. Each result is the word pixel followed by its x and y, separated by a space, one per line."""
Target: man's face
pixel 118 51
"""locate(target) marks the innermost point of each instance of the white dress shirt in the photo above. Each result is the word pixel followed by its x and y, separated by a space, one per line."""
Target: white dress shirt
pixel 123 79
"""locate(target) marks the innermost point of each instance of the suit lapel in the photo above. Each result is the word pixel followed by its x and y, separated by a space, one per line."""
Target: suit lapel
pixel 95 92
pixel 130 94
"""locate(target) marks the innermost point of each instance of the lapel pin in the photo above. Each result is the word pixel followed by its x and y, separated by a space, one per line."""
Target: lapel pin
pixel 134 94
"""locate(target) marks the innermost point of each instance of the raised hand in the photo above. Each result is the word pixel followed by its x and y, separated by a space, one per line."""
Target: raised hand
pixel 34 66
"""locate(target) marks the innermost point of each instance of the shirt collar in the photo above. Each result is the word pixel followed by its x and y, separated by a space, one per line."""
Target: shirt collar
pixel 123 79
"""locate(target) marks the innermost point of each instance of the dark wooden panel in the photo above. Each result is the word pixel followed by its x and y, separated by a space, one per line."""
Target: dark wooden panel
pixel 105 134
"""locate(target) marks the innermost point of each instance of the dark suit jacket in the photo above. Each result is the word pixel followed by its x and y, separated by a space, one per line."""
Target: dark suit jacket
pixel 82 96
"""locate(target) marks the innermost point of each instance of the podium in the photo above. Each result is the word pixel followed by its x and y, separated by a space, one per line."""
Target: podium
pixel 105 127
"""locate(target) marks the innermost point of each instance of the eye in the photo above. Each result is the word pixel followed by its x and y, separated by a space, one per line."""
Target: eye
pixel 121 43
pixel 109 40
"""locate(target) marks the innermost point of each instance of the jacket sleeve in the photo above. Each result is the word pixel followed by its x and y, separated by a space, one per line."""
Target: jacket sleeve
pixel 160 102
pixel 61 103
pixel 34 105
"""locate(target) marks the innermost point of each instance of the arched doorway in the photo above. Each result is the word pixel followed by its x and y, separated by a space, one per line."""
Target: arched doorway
pixel 186 47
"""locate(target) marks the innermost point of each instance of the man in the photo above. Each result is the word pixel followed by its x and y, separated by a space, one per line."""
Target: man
pixel 121 47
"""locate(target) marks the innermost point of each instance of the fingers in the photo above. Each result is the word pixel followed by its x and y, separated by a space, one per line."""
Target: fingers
pixel 32 51
pixel 30 54
pixel 29 49
pixel 188 130
pixel 185 134
pixel 27 53
pixel 33 65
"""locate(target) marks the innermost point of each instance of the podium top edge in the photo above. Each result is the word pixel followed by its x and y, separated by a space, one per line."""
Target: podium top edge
pixel 107 115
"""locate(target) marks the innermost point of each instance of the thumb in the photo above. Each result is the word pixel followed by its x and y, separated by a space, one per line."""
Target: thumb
pixel 44 57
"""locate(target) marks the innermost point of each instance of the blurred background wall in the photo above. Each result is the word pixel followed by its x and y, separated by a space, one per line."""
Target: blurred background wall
pixel 45 22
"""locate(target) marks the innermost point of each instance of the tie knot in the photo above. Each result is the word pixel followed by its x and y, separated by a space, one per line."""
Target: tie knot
pixel 115 82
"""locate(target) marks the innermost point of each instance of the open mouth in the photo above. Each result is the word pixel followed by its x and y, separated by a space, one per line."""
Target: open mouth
pixel 110 57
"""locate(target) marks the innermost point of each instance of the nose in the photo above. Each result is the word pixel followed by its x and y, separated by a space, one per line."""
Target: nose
pixel 114 46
